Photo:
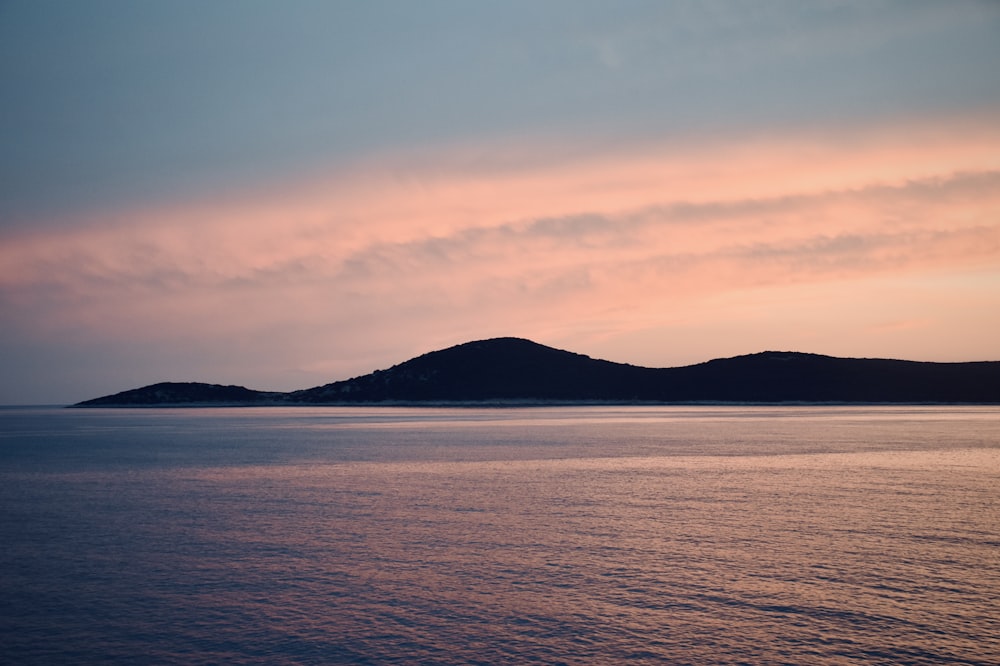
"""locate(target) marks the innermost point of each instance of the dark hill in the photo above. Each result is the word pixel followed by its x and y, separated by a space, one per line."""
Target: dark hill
pixel 513 369
pixel 498 369
pixel 516 370
pixel 798 377
pixel 181 393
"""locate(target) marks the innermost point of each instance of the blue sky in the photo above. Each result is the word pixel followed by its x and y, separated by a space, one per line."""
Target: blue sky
pixel 165 166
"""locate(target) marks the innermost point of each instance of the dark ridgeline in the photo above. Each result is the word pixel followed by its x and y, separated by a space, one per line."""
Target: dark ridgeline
pixel 498 369
pixel 517 370
pixel 183 393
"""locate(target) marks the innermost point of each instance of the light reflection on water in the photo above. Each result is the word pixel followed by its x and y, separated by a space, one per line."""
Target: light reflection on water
pixel 570 535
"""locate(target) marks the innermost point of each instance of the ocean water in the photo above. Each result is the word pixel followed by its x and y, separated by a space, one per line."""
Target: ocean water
pixel 569 535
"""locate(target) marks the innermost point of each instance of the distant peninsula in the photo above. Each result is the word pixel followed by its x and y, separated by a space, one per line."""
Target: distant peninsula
pixel 515 371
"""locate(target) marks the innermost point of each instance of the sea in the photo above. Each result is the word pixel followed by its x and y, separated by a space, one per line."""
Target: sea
pixel 536 535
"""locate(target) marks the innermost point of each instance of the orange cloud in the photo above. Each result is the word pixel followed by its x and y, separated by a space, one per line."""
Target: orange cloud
pixel 527 238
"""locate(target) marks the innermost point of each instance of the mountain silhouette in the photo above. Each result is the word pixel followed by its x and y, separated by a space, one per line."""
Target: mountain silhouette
pixel 515 370
pixel 183 393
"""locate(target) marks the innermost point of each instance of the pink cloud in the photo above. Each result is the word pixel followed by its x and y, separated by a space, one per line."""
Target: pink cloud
pixel 414 251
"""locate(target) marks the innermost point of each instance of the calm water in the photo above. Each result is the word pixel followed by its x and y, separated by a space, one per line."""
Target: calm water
pixel 555 536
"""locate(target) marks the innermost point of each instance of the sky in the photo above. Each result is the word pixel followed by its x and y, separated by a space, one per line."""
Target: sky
pixel 284 194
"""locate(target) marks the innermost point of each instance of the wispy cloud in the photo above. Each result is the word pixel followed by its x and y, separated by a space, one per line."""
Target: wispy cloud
pixel 583 249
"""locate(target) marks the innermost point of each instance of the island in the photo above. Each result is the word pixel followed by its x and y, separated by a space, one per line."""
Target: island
pixel 516 371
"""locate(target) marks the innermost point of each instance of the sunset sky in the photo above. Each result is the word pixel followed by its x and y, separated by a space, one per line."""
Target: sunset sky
pixel 284 194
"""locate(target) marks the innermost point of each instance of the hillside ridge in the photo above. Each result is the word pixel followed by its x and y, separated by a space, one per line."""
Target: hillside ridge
pixel 519 371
